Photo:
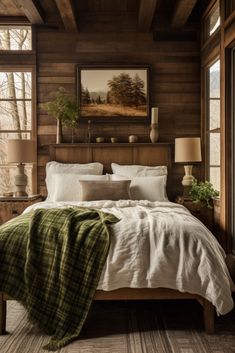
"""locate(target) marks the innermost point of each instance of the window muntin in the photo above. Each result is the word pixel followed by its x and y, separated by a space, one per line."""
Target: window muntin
pixel 213 125
pixel 15 38
pixel 15 120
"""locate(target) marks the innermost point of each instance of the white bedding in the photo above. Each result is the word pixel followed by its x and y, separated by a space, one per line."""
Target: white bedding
pixel 160 244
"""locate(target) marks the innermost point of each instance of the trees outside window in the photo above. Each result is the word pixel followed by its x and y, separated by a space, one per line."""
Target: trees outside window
pixel 15 38
pixel 15 106
pixel 213 124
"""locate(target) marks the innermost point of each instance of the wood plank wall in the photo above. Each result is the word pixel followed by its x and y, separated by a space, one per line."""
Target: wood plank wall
pixel 174 80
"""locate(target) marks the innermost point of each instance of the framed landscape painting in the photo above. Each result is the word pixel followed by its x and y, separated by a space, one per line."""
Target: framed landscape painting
pixel 117 93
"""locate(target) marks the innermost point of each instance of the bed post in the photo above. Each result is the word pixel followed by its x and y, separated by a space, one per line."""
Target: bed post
pixel 209 317
pixel 3 314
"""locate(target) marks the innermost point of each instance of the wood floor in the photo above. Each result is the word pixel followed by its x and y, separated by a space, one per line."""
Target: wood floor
pixel 129 327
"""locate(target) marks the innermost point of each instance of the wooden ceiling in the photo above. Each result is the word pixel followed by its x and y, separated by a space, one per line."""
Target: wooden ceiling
pixel 149 13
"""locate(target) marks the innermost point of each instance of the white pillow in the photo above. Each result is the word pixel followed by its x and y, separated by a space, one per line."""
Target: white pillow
pixel 152 188
pixel 67 186
pixel 58 168
pixel 138 170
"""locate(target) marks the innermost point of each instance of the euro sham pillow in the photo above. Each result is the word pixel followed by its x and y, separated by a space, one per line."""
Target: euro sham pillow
pixel 152 188
pixel 67 187
pixel 131 171
pixel 105 190
pixel 53 168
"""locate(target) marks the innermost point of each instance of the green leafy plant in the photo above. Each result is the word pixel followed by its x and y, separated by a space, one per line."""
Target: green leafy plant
pixel 64 107
pixel 203 192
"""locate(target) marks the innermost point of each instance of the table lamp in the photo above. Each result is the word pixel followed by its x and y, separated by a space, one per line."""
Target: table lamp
pixel 20 152
pixel 188 150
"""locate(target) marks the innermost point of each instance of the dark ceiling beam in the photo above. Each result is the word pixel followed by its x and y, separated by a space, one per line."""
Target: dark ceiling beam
pixel 32 10
pixel 67 14
pixel 182 11
pixel 146 13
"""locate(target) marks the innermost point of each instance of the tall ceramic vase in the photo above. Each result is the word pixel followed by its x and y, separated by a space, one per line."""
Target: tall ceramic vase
pixel 154 133
pixel 58 131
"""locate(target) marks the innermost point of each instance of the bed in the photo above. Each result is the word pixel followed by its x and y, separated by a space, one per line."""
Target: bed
pixel 152 155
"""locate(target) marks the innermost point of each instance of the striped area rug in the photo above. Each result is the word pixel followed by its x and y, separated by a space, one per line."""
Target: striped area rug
pixel 129 327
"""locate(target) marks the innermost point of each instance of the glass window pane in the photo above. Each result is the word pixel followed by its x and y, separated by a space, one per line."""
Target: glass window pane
pixel 214 21
pixel 3 143
pixel 7 174
pixel 15 85
pixel 15 38
pixel 214 80
pixel 215 177
pixel 214 149
pixel 15 115
pixel 7 178
pixel 214 114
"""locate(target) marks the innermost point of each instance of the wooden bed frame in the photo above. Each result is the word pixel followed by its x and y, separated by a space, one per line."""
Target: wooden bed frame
pixel 145 154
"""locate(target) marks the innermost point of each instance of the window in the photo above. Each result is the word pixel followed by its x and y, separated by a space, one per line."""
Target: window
pixel 15 120
pixel 213 125
pixel 212 21
pixel 15 38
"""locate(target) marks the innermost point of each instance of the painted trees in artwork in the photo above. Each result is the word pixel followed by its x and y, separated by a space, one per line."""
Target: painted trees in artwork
pixel 138 91
pixel 85 95
pixel 114 93
pixel 126 91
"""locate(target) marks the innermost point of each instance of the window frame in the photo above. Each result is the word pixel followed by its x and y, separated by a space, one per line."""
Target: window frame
pixel 208 13
pixel 33 132
pixel 207 130
pixel 20 52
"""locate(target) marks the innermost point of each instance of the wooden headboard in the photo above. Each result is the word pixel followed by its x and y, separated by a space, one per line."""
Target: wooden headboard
pixel 106 153
pixel 151 154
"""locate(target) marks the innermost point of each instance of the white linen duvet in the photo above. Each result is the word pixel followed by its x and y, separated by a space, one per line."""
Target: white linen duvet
pixel 160 244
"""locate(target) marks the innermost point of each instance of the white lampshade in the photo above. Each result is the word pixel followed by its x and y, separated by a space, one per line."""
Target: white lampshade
pixel 188 149
pixel 21 151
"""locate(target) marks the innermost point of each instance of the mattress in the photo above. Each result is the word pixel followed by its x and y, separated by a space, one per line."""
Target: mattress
pixel 160 244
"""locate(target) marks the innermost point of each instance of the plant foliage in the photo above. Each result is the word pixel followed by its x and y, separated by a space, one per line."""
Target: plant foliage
pixel 203 192
pixel 64 107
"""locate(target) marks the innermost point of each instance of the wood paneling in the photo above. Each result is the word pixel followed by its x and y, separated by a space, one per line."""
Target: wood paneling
pixel 113 39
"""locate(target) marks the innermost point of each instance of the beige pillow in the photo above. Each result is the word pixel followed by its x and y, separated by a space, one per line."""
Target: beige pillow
pixel 105 190
pixel 67 186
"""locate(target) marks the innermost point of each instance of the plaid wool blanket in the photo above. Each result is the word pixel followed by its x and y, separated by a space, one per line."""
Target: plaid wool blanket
pixel 51 261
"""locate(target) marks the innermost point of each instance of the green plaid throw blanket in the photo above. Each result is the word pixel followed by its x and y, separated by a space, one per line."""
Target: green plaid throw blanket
pixel 51 261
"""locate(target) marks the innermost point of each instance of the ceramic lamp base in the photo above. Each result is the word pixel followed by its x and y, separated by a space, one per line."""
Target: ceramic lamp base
pixel 188 177
pixel 20 181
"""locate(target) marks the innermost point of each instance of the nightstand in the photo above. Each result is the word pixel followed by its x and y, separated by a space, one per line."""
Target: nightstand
pixel 200 211
pixel 13 206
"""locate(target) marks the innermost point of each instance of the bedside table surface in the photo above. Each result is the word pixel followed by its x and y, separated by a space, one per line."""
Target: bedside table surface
pixel 19 198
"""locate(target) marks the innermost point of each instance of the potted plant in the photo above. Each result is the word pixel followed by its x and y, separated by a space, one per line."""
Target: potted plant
pixel 203 192
pixel 65 109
